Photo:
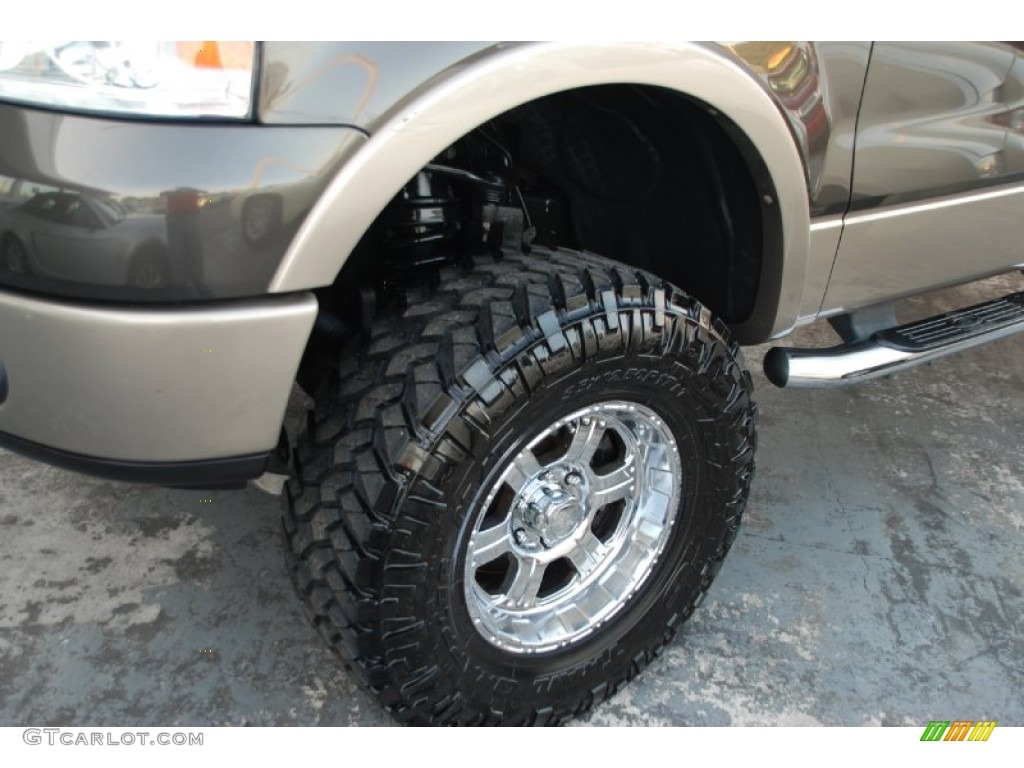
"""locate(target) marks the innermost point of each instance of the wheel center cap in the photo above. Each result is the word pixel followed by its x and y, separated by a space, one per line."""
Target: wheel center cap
pixel 552 514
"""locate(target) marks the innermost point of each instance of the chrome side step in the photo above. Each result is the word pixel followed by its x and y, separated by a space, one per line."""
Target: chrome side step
pixel 898 348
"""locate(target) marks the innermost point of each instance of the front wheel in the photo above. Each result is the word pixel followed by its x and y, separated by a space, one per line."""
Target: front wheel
pixel 510 501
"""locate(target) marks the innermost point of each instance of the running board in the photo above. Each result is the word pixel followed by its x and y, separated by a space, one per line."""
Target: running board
pixel 898 348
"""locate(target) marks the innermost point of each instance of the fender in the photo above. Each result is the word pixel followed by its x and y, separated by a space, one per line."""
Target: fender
pixel 487 84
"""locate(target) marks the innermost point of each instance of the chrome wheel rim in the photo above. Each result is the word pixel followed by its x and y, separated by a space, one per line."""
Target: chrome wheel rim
pixel 572 527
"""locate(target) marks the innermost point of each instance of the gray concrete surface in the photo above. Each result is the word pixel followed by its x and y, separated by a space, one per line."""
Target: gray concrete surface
pixel 878 578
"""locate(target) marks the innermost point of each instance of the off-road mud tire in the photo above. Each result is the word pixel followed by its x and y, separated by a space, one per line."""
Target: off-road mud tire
pixel 406 434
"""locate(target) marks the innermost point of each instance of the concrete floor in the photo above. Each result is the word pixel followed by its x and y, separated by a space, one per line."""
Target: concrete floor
pixel 878 578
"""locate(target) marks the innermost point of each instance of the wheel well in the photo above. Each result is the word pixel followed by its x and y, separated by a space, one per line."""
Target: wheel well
pixel 640 174
pixel 654 180
pixel 646 176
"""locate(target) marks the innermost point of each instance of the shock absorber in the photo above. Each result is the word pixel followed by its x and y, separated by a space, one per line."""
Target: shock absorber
pixel 421 225
pixel 445 214
pixel 493 220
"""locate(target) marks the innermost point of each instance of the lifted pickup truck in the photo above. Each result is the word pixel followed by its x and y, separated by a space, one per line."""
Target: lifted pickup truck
pixel 513 278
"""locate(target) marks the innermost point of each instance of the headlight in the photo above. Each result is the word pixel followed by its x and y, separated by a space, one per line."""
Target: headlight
pixel 180 79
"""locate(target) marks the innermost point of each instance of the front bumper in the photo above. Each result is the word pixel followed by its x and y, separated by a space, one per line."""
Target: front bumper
pixel 178 373
pixel 179 395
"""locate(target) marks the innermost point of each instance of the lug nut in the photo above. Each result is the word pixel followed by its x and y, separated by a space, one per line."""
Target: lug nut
pixel 573 478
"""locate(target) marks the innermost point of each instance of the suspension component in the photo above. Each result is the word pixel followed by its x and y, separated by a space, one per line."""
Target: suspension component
pixel 421 225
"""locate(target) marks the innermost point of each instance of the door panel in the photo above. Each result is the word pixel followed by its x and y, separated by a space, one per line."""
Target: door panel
pixel 937 164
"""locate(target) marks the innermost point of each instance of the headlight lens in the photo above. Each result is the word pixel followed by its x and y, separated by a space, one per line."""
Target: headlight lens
pixel 179 79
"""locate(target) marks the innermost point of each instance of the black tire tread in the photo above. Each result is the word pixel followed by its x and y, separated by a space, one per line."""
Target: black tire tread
pixel 375 437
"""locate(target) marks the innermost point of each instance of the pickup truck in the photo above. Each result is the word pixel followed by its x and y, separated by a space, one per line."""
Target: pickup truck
pixel 514 280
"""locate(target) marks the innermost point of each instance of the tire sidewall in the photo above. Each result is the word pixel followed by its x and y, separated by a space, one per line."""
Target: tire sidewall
pixel 694 409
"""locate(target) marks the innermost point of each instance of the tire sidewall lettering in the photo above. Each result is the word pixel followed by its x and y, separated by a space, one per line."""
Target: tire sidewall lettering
pixel 652 379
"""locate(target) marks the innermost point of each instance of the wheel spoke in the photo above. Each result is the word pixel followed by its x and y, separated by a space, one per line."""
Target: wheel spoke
pixel 523 591
pixel 584 442
pixel 522 468
pixel 604 489
pixel 587 555
pixel 488 544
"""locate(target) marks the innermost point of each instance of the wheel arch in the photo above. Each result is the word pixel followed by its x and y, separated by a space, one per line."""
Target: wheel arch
pixel 503 77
